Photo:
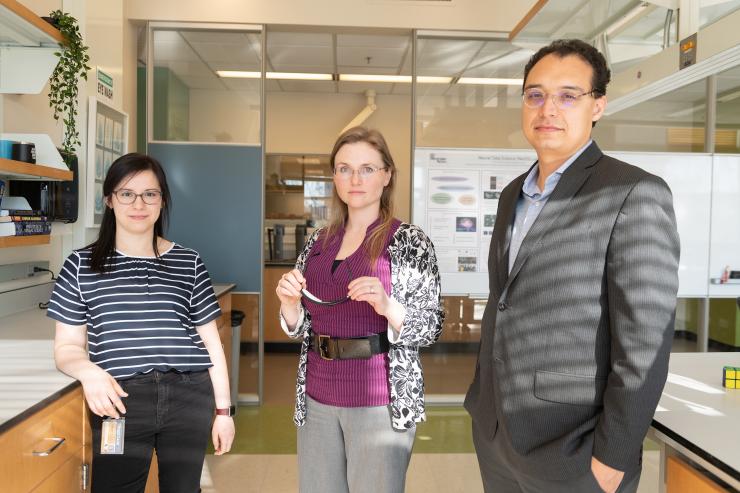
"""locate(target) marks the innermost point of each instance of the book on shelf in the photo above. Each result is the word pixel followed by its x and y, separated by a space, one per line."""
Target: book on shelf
pixel 20 218
pixel 25 228
pixel 21 212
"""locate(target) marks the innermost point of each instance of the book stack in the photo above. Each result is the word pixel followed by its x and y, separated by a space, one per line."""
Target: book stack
pixel 22 222
pixel 18 219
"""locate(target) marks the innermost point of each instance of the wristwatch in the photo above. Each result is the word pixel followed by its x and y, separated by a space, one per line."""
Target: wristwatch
pixel 226 411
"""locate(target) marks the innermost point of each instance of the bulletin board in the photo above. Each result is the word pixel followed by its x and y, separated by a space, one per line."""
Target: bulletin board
pixel 107 140
pixel 456 196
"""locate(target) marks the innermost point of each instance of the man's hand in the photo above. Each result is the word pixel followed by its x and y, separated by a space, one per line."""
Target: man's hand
pixel 608 478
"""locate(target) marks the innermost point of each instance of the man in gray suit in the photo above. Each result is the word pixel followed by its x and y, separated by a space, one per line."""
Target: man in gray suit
pixel 583 274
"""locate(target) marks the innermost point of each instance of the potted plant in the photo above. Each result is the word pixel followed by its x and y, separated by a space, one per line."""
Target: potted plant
pixel 73 59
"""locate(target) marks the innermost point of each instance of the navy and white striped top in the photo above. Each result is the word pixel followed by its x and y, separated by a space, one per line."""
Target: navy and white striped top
pixel 141 315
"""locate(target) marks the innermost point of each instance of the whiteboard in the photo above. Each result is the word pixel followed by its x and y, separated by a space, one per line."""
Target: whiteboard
pixel 725 244
pixel 688 175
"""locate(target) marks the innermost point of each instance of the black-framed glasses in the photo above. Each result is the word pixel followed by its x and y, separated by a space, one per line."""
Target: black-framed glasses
pixel 316 300
pixel 128 197
pixel 345 172
pixel 535 98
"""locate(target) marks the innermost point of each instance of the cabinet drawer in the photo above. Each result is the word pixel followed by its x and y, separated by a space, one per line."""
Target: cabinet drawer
pixel 67 478
pixel 37 447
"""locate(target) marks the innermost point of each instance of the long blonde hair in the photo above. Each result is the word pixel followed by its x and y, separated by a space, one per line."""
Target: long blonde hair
pixel 375 242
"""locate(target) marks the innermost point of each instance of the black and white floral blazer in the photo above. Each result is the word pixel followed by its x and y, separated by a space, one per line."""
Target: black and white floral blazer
pixel 415 284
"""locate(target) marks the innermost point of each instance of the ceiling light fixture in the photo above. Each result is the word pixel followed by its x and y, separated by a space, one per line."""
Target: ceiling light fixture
pixel 298 76
pixel 402 79
pixel 238 74
pixel 490 81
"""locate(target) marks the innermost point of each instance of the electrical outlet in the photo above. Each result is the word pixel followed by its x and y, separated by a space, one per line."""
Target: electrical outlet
pixel 38 268
pixel 23 270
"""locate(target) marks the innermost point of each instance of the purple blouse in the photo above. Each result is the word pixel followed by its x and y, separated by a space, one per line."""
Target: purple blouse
pixel 351 382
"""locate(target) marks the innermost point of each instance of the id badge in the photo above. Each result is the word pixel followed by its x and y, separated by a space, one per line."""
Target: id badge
pixel 111 436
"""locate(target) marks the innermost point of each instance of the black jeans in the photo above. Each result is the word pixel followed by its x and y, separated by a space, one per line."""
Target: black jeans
pixel 167 412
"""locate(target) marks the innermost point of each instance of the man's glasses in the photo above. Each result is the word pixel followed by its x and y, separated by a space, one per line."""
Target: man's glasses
pixel 535 98
pixel 128 197
pixel 315 299
pixel 344 172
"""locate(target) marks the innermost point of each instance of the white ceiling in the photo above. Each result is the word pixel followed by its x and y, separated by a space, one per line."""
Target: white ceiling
pixel 194 56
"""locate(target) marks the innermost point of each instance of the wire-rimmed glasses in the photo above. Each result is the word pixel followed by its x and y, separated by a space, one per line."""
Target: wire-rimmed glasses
pixel 535 98
pixel 346 173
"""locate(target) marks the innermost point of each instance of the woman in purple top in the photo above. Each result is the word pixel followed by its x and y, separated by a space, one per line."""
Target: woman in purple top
pixel 364 296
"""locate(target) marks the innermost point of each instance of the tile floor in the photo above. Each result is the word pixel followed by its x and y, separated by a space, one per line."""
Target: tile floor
pixel 263 458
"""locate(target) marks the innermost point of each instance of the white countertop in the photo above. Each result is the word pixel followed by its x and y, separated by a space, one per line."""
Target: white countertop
pixel 28 375
pixel 696 407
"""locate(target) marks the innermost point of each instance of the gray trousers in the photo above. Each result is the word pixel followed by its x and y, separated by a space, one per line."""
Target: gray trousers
pixel 352 449
pixel 500 476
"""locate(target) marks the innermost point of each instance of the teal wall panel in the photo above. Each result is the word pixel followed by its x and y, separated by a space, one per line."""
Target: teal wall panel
pixel 216 206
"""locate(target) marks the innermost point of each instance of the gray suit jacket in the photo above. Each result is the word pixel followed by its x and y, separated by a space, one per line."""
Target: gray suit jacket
pixel 575 340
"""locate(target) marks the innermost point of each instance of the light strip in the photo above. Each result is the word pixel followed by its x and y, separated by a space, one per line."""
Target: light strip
pixel 489 81
pixel 403 79
pixel 374 78
pixel 298 76
pixel 238 74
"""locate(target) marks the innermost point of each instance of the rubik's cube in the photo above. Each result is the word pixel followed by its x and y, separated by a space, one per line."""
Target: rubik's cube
pixel 731 377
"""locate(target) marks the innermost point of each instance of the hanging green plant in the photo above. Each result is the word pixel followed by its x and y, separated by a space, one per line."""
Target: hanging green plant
pixel 73 59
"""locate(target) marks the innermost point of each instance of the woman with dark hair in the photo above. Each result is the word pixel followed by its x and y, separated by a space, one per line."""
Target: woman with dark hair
pixel 364 296
pixel 136 326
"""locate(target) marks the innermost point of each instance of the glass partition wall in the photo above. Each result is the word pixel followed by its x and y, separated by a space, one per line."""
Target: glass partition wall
pixel 318 82
pixel 208 85
pixel 468 96
pixel 204 124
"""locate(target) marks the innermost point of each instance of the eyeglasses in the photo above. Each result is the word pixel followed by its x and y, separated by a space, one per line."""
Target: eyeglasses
pixel 128 197
pixel 345 172
pixel 315 299
pixel 535 98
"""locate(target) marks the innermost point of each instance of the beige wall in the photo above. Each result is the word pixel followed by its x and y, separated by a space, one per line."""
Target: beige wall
pixel 476 15
pixel 311 122
pixel 224 116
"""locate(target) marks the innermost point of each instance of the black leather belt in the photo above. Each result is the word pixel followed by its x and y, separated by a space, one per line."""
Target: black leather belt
pixel 331 348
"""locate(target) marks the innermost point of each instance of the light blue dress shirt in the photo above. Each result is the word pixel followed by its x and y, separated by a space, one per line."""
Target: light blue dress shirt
pixel 533 200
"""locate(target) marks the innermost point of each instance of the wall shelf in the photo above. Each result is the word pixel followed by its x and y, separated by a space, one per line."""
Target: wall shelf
pixel 18 241
pixel 18 170
pixel 21 27
pixel 27 47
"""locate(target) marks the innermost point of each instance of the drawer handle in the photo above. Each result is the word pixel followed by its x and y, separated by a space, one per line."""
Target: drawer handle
pixel 44 453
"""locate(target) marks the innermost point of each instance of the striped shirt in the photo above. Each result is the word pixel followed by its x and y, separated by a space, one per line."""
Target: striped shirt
pixel 141 315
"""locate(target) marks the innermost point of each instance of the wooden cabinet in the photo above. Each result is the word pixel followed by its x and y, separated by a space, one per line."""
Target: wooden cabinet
pixel 271 304
pixel 224 327
pixel 682 478
pixel 45 452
